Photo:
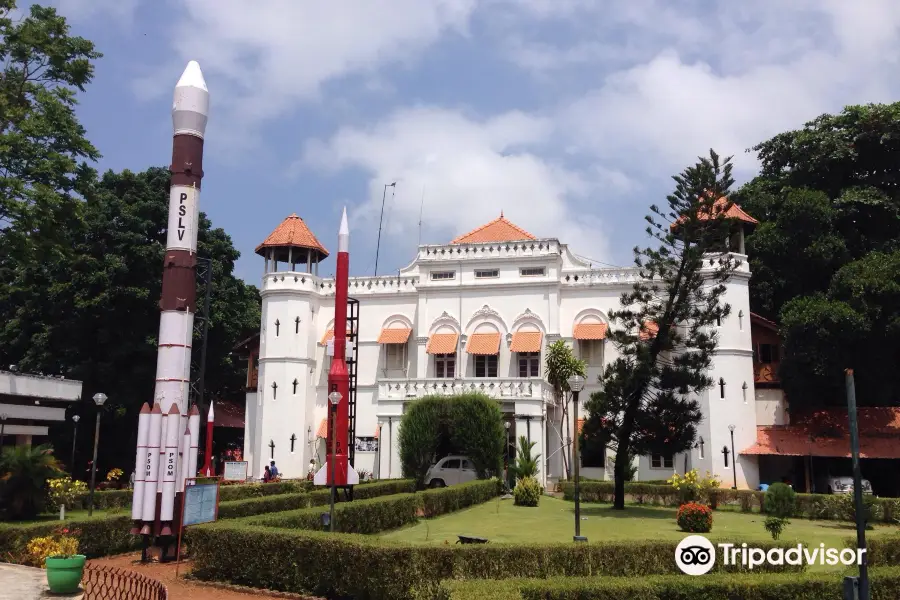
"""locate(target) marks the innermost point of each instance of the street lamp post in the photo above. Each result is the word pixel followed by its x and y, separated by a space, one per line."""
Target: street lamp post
pixel 334 398
pixel 733 458
pixel 75 419
pixel 506 474
pixel 3 418
pixel 576 384
pixel 99 399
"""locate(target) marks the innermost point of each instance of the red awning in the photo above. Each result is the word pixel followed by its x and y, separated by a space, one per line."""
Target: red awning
pixel 825 433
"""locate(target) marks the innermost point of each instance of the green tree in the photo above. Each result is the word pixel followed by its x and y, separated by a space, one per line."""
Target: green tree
pixel 98 319
pixel 526 465
pixel 467 424
pixel 24 472
pixel 561 364
pixel 664 331
pixel 827 198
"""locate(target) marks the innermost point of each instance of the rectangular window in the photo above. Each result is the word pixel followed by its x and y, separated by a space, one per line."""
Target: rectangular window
pixel 531 271
pixel 529 364
pixel 442 275
pixel 658 461
pixel 486 273
pixel 445 365
pixel 486 366
pixel 395 356
pixel 591 352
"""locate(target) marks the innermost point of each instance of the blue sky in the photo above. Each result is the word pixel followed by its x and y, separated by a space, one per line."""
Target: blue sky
pixel 568 115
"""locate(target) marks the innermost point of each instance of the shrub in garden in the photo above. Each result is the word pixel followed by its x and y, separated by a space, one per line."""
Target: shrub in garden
pixel 527 492
pixel 692 488
pixel 525 465
pixel 847 508
pixel 65 491
pixel 62 543
pixel 24 472
pixel 780 503
pixel 694 518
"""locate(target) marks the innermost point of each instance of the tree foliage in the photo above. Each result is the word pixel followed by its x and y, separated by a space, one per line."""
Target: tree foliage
pixel 663 331
pixel 560 364
pixel 468 424
pixel 24 473
pixel 828 203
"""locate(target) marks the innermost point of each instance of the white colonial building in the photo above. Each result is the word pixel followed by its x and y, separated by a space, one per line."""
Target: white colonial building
pixel 475 314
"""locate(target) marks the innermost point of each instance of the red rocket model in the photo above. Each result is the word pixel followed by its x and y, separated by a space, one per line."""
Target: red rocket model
pixel 338 377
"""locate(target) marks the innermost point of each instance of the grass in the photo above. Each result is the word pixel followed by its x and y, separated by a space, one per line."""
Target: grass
pixel 80 514
pixel 553 521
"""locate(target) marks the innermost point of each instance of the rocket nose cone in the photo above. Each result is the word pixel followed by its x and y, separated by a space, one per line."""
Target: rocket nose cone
pixel 192 77
pixel 345 229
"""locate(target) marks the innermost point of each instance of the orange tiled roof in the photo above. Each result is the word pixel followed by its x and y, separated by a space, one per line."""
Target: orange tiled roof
pixel 442 343
pixel 590 331
pixel 526 341
pixel 483 343
pixel 649 330
pixel 292 232
pixel 825 433
pixel 322 431
pixel 734 212
pixel 394 336
pixel 330 334
pixel 498 230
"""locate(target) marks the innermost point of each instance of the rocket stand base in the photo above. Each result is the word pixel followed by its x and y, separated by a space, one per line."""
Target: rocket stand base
pixel 145 546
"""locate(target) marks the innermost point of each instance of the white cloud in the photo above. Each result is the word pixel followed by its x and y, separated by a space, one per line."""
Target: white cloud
pixel 269 58
pixel 469 170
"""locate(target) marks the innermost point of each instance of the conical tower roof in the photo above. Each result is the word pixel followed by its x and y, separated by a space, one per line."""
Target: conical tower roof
pixel 500 229
pixel 292 232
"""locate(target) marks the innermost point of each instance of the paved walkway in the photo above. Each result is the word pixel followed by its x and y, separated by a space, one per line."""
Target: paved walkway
pixel 27 583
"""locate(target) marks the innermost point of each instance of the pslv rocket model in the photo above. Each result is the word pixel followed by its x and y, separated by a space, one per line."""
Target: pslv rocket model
pixel 168 435
pixel 338 377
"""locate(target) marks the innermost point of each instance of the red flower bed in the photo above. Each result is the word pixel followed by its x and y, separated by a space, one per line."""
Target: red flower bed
pixel 694 518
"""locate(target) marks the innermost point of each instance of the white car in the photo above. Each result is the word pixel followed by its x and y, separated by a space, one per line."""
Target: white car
pixel 840 484
pixel 450 470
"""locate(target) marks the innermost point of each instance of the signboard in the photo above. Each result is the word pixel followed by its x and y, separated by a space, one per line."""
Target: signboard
pixel 235 471
pixel 201 503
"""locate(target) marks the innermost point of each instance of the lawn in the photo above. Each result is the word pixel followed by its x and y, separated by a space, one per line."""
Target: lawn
pixel 553 521
pixel 80 514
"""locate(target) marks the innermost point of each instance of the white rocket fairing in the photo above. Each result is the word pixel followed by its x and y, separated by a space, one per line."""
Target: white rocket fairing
pixel 140 467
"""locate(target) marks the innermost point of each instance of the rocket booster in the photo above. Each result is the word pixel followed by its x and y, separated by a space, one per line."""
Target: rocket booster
pixel 338 376
pixel 140 469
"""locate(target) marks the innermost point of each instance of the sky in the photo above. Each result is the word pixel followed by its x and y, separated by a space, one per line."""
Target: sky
pixel 569 116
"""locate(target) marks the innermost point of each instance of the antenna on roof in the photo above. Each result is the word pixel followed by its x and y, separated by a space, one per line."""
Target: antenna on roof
pixel 421 208
pixel 378 244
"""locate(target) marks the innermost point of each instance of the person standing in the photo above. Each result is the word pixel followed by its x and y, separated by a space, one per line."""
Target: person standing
pixel 273 469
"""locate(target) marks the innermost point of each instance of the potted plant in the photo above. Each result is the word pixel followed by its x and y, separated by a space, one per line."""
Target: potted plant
pixel 58 554
pixel 112 479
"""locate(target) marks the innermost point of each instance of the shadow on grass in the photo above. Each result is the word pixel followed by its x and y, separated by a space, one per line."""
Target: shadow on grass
pixel 630 512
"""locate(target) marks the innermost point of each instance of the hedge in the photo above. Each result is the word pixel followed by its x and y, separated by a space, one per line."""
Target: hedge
pixel 809 506
pixel 99 536
pixel 885 585
pixel 255 506
pixel 390 512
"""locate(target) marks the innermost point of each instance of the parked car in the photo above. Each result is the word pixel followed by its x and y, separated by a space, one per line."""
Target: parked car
pixel 450 470
pixel 840 484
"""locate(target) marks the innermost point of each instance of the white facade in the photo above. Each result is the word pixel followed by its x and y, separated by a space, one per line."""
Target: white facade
pixel 468 288
pixel 29 402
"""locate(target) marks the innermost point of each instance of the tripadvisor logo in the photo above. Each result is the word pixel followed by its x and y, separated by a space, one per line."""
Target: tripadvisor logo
pixel 696 555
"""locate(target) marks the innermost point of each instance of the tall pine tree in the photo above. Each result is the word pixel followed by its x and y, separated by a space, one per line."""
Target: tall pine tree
pixel 664 331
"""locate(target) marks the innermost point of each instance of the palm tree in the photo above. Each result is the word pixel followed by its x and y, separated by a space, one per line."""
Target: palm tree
pixel 526 465
pixel 24 471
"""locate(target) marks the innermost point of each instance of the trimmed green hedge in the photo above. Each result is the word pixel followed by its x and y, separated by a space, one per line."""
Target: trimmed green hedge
pixel 885 585
pixel 99 536
pixel 236 509
pixel 809 506
pixel 259 556
pixel 389 512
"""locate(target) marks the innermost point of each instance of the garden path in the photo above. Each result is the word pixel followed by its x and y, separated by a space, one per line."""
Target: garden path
pixel 27 583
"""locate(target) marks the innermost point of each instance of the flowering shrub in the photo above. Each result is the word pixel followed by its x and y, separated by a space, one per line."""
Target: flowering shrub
pixel 691 488
pixel 63 490
pixel 694 518
pixel 63 543
pixel 114 475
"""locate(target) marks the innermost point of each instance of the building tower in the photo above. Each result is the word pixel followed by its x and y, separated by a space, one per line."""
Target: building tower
pixel 280 418
pixel 730 402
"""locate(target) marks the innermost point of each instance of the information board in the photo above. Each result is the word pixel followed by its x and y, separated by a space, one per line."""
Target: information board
pixel 235 471
pixel 201 502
